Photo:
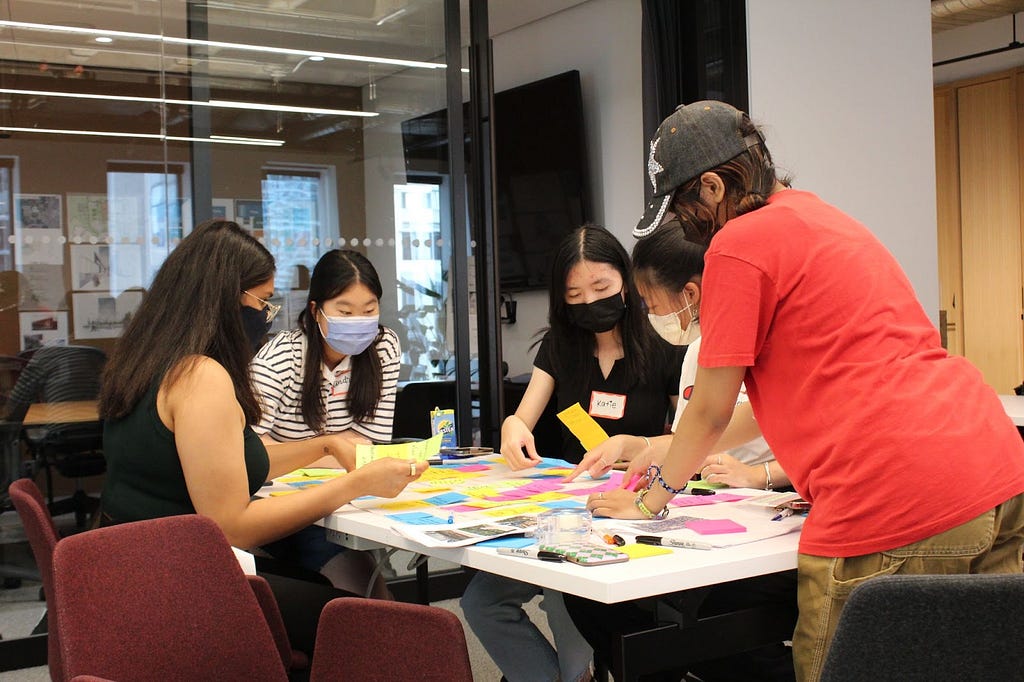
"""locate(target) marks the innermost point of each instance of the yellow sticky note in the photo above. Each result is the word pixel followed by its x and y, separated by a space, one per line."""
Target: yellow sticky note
pixel 319 472
pixel 640 551
pixel 403 505
pixel 583 426
pixel 417 451
pixel 508 511
pixel 279 493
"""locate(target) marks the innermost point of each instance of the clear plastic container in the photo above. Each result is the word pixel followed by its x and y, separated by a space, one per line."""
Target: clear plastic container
pixel 563 526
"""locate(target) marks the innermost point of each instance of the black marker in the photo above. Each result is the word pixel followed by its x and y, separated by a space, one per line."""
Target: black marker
pixel 701 491
pixel 531 553
pixel 672 542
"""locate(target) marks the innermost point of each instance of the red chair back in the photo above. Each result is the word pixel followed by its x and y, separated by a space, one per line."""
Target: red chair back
pixel 372 639
pixel 42 539
pixel 159 599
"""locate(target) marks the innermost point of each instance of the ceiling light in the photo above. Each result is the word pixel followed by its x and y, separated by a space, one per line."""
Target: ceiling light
pixel 316 58
pixel 391 17
pixel 220 44
pixel 219 104
pixel 104 39
pixel 222 139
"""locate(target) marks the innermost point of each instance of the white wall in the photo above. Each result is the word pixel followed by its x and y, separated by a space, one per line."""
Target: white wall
pixel 600 39
pixel 845 92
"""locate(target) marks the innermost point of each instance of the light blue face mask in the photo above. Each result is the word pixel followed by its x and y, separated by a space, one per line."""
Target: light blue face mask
pixel 350 335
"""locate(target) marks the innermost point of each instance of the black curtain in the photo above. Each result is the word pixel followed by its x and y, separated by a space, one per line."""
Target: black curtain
pixel 691 50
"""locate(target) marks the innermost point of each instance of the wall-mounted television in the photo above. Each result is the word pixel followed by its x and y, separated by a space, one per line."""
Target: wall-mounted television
pixel 541 172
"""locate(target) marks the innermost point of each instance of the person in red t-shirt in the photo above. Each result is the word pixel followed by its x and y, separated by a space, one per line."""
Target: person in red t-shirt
pixel 906 453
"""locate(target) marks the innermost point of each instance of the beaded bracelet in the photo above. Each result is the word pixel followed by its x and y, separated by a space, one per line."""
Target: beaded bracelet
pixel 661 480
pixel 648 514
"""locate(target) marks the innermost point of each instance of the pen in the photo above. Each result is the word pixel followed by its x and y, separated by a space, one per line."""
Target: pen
pixel 531 553
pixel 672 542
pixel 701 491
pixel 783 514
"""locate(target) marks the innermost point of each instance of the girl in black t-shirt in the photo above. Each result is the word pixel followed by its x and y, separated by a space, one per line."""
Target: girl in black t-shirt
pixel 601 352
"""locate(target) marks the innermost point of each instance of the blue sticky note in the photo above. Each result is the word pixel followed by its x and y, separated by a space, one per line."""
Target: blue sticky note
pixel 564 504
pixel 513 541
pixel 304 484
pixel 551 463
pixel 416 518
pixel 446 498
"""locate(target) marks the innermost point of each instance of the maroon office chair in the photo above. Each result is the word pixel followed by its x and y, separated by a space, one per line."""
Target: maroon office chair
pixel 42 539
pixel 159 599
pixel 372 639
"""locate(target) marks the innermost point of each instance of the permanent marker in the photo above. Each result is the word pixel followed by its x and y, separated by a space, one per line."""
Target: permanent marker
pixel 783 514
pixel 672 542
pixel 531 553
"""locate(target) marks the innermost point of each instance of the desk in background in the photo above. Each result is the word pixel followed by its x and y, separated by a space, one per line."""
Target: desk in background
pixel 70 412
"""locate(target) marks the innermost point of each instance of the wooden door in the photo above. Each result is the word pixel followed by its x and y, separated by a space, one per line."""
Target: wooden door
pixel 947 186
pixel 990 230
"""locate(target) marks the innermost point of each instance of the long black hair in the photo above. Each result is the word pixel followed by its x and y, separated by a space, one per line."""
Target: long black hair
pixel 192 308
pixel 666 259
pixel 573 344
pixel 335 272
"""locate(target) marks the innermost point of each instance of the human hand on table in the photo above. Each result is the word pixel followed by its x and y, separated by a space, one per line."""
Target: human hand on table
pixel 599 460
pixel 724 468
pixel 342 446
pixel 388 476
pixel 517 446
pixel 637 471
pixel 616 504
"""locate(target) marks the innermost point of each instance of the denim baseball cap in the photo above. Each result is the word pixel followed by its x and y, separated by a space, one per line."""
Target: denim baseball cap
pixel 695 138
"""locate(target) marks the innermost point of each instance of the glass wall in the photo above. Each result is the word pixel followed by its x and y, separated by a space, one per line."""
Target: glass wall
pixel 123 124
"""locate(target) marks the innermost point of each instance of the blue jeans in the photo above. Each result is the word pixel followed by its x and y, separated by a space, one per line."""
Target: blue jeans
pixel 493 606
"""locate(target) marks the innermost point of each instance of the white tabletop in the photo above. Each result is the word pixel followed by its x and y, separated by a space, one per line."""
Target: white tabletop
pixel 683 569
pixel 1014 406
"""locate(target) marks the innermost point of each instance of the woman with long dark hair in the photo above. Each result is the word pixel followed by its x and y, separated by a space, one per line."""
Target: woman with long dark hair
pixel 178 403
pixel 601 352
pixel 334 377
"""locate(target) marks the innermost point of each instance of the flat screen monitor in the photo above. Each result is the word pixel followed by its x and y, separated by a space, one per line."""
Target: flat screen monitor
pixel 541 173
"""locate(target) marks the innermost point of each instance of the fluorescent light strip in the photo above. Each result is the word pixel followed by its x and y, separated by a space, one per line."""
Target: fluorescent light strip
pixel 216 43
pixel 217 103
pixel 149 136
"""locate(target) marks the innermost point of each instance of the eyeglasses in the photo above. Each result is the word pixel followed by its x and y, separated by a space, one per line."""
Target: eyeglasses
pixel 272 309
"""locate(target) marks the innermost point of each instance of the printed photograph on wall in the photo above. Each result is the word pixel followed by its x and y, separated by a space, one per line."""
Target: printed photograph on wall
pixel 223 208
pixel 43 329
pixel 87 218
pixel 249 214
pixel 37 211
pixel 90 267
pixel 42 288
pixel 103 315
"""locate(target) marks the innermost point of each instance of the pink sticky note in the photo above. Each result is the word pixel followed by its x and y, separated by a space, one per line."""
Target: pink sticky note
pixel 473 467
pixel 693 500
pixel 723 496
pixel 714 526
pixel 461 508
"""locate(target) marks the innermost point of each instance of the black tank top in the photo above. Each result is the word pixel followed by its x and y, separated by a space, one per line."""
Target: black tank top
pixel 144 476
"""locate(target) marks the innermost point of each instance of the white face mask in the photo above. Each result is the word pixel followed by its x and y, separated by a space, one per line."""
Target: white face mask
pixel 671 329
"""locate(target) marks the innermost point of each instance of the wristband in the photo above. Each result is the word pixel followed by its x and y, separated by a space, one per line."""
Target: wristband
pixel 767 477
pixel 654 472
pixel 648 514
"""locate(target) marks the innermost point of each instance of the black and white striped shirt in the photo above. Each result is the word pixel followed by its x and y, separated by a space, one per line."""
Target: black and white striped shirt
pixel 277 372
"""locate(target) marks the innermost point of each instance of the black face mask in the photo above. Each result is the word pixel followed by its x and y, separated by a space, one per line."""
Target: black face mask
pixel 254 322
pixel 598 316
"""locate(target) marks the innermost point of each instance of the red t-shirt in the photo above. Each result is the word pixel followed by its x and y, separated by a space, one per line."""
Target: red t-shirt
pixel 890 437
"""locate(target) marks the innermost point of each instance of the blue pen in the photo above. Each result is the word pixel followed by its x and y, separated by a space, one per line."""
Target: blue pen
pixel 451 518
pixel 783 514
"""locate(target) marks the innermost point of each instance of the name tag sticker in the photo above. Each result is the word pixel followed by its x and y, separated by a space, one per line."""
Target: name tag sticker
pixel 607 405
pixel 339 386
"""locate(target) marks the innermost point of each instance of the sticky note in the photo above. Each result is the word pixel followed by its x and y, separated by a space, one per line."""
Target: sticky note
pixel 417 518
pixel 641 551
pixel 417 451
pixel 583 426
pixel 714 526
pixel 405 504
pixel 446 498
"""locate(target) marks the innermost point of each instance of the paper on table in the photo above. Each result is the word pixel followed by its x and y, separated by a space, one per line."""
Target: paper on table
pixel 583 426
pixel 246 560
pixel 455 536
pixel 417 451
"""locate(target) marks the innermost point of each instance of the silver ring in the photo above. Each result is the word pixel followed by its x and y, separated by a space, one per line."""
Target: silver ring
pixel 719 459
pixel 412 468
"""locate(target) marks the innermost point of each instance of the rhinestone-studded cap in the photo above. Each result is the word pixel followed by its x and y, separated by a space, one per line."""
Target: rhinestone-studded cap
pixel 695 138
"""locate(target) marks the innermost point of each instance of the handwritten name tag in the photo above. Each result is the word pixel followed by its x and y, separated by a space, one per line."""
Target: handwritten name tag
pixel 607 405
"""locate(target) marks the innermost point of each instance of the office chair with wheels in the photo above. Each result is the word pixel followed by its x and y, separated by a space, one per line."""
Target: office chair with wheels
pixel 56 375
pixel 930 627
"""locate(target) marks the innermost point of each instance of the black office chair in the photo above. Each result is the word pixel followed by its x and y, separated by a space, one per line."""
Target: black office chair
pixel 413 404
pixel 930 627
pixel 57 374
